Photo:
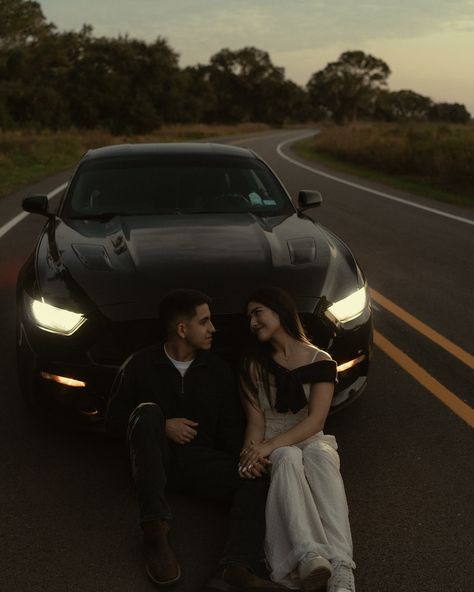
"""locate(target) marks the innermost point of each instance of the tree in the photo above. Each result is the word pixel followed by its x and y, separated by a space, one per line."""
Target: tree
pixel 199 102
pixel 21 22
pixel 402 105
pixel 289 103
pixel 348 87
pixel 452 112
pixel 245 82
pixel 123 84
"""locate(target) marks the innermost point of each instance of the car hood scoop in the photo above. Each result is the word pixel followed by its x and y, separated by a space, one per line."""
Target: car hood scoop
pixel 93 256
pixel 302 250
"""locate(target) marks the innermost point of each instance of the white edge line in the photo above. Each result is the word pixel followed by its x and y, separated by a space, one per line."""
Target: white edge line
pixel 14 221
pixel 367 189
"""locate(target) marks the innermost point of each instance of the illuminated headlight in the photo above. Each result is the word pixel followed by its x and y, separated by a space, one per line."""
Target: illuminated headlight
pixel 53 319
pixel 350 307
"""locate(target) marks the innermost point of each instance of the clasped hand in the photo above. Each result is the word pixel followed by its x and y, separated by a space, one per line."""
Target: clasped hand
pixel 254 460
pixel 181 430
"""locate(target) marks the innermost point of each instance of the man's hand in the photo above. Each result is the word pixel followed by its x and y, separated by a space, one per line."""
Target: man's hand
pixel 180 430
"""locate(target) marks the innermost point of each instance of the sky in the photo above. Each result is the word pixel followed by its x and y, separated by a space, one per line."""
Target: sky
pixel 428 44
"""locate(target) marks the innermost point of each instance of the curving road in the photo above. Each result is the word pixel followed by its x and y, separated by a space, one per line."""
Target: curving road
pixel 67 508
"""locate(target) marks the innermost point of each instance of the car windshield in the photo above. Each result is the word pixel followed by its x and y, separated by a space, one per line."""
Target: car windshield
pixel 174 185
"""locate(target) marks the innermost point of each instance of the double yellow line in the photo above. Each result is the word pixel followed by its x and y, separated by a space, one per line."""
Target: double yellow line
pixel 447 397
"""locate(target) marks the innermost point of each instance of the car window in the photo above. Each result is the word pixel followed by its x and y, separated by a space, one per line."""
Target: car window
pixel 175 185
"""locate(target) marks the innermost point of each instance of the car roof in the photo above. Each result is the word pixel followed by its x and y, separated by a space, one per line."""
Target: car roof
pixel 168 149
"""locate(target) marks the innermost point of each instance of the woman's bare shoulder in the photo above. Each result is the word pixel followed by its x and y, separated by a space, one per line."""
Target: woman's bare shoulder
pixel 319 355
pixel 255 371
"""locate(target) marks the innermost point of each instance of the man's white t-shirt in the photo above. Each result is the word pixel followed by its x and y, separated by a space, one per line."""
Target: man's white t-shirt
pixel 180 366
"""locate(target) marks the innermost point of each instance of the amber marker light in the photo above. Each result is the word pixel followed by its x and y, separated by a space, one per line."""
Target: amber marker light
pixel 90 412
pixel 65 380
pixel 350 364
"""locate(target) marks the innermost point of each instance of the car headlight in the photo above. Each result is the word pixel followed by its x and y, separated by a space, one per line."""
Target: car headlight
pixel 53 319
pixel 350 307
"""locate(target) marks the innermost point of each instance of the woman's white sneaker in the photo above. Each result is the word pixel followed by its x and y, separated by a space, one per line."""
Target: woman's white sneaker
pixel 314 573
pixel 342 579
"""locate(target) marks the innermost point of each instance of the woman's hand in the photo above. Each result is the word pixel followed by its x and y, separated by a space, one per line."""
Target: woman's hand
pixel 254 470
pixel 256 450
pixel 254 458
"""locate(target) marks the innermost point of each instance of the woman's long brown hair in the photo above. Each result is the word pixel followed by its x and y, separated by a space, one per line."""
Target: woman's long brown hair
pixel 258 355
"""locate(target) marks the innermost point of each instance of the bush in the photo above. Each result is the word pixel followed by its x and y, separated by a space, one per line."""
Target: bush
pixel 442 154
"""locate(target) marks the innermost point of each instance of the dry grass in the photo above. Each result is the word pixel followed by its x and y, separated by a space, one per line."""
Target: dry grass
pixel 27 156
pixel 439 154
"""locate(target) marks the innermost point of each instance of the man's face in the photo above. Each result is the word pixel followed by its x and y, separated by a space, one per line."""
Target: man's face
pixel 199 330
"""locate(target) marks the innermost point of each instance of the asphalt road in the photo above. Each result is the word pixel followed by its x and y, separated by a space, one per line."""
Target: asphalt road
pixel 68 515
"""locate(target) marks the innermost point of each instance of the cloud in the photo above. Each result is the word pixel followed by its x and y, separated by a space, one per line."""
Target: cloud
pixel 269 24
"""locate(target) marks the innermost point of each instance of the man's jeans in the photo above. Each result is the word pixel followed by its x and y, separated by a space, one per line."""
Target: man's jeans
pixel 196 470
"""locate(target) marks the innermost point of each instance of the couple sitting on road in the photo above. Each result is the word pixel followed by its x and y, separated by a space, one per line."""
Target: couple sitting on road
pixel 177 404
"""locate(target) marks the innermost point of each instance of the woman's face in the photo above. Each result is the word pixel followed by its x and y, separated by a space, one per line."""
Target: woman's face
pixel 264 322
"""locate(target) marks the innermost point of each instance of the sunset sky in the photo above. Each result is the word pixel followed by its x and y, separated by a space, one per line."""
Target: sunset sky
pixel 428 44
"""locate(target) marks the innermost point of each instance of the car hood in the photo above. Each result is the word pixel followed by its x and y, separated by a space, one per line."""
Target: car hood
pixel 126 265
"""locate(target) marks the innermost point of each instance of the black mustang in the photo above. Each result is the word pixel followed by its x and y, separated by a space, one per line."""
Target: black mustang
pixel 139 220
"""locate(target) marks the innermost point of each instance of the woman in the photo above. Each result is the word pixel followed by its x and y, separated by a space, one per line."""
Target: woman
pixel 287 387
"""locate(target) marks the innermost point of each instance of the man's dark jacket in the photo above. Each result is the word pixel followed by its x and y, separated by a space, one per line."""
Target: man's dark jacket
pixel 206 394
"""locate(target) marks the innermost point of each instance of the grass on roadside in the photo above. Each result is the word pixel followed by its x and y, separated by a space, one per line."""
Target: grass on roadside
pixel 384 152
pixel 26 156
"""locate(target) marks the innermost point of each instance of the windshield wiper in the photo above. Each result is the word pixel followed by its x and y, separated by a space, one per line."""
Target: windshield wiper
pixel 104 216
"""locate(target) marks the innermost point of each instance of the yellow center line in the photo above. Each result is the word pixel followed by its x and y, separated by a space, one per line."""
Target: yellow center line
pixel 425 330
pixel 449 399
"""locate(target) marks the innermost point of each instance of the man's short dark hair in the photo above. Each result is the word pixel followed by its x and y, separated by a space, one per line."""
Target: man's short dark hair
pixel 180 304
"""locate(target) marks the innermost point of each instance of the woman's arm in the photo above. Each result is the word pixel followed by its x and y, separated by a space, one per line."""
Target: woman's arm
pixel 255 418
pixel 318 409
pixel 255 429
pixel 254 435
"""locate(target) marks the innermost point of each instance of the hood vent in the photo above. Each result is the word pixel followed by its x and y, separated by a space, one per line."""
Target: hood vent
pixel 302 250
pixel 93 257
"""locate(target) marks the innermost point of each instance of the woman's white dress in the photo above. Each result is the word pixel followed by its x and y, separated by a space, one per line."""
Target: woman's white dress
pixel 306 511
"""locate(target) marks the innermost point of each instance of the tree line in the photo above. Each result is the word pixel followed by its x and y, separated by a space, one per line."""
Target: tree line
pixel 51 79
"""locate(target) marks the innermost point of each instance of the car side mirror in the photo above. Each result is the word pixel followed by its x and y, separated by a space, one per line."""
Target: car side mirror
pixel 309 199
pixel 37 204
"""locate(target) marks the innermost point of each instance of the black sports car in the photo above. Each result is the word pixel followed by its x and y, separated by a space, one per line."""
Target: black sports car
pixel 139 220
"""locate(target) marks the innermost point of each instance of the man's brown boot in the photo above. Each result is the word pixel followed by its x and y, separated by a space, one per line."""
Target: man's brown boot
pixel 160 561
pixel 239 578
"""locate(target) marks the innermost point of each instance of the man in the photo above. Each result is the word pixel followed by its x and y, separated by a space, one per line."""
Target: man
pixel 177 404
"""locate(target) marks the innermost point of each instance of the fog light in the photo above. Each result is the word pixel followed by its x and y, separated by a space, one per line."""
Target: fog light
pixel 350 364
pixel 65 380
